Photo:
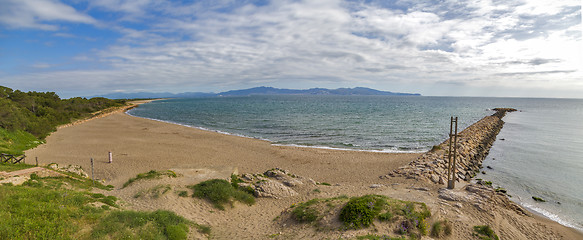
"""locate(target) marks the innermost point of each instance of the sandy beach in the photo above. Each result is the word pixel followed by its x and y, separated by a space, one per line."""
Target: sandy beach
pixel 140 145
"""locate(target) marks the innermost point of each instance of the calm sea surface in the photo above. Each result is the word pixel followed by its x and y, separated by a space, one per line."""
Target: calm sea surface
pixel 541 154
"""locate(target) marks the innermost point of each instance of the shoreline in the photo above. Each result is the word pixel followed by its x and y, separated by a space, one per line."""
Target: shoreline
pixel 273 142
pixel 499 113
pixel 141 144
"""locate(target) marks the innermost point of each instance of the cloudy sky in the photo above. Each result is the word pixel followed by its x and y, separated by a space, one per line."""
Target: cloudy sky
pixel 512 48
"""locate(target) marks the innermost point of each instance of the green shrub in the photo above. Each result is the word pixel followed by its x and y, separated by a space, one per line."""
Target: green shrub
pixel 152 174
pixel 359 212
pixel 441 229
pixel 141 225
pixel 304 212
pixel 16 141
pixel 484 232
pixel 375 237
pixel 387 216
pixel 204 229
pixel 177 232
pixel 220 192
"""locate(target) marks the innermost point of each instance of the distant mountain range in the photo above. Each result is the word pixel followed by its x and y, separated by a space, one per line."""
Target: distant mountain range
pixel 260 91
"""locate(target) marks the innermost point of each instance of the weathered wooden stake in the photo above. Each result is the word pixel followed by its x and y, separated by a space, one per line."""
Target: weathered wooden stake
pixel 36 159
pixel 110 157
pixel 92 177
pixel 451 177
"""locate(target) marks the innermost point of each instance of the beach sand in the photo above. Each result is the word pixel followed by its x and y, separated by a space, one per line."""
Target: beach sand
pixel 140 145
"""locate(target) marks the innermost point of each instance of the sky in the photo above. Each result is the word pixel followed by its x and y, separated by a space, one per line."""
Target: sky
pixel 501 48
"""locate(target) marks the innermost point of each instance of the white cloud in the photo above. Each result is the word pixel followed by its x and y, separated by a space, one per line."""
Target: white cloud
pixel 39 14
pixel 217 44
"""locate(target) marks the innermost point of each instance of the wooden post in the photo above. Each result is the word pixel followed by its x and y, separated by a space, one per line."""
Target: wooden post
pixel 36 159
pixel 110 157
pixel 92 177
pixel 451 177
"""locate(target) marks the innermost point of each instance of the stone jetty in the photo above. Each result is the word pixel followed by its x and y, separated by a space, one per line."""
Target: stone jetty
pixel 473 146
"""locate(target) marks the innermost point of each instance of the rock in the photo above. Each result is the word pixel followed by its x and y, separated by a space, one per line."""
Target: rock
pixel 434 178
pixel 273 189
pixel 76 169
pixel 451 195
pixel 292 182
pixel 422 189
pixel 376 186
pixel 277 174
pixel 54 166
pixel 247 177
pixel 311 181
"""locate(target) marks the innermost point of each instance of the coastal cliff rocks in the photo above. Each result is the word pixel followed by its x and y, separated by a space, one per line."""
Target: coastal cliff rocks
pixel 473 146
pixel 75 169
pixel 275 183
pixel 482 197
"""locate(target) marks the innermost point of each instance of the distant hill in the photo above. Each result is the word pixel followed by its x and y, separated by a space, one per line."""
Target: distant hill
pixel 261 91
pixel 121 95
pixel 311 91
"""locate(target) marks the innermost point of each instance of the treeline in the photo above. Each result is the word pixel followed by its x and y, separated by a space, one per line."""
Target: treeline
pixel 39 113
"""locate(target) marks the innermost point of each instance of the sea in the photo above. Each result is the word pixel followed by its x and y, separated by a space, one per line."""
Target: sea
pixel 539 151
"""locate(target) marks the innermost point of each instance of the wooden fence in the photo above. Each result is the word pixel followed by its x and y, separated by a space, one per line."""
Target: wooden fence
pixel 9 158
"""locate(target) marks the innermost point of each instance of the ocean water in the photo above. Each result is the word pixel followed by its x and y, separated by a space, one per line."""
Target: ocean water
pixel 541 154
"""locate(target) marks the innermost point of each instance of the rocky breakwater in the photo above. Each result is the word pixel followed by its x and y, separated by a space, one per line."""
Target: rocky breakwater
pixel 473 146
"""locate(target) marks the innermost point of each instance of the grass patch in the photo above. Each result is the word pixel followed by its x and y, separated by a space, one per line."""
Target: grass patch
pixel 303 212
pixel 441 228
pixel 324 183
pixel 16 141
pixel 141 225
pixel 41 213
pixel 64 182
pixel 408 218
pixel 377 237
pixel 44 209
pixel 236 181
pixel 153 174
pixel 154 192
pixel 360 212
pixel 9 167
pixel 220 192
pixel 484 232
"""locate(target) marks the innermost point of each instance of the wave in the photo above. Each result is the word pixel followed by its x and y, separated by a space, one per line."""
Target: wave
pixel 551 216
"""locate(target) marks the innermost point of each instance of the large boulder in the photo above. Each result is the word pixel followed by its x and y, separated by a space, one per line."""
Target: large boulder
pixel 273 189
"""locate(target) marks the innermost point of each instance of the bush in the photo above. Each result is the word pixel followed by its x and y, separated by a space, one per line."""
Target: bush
pixel 304 213
pixel 220 192
pixel 359 212
pixel 441 229
pixel 484 232
pixel 177 232
pixel 152 174
pixel 141 225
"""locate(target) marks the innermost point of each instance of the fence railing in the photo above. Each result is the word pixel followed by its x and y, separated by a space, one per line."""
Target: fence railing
pixel 9 158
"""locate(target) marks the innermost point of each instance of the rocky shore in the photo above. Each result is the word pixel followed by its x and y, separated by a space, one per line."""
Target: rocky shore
pixel 473 146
